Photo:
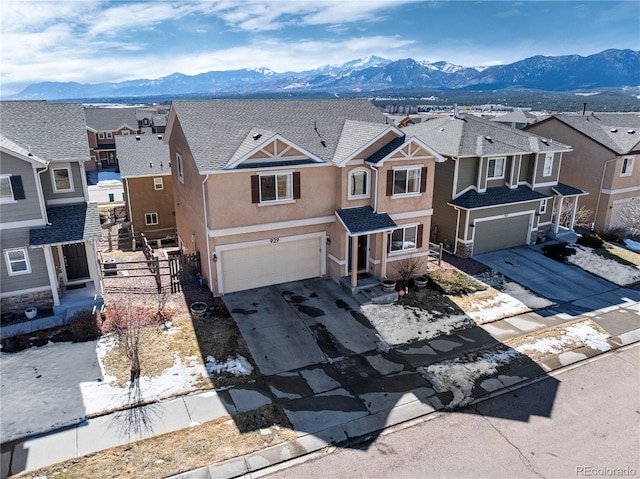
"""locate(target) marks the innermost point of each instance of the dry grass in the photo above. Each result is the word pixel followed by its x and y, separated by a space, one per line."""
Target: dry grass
pixel 627 256
pixel 180 451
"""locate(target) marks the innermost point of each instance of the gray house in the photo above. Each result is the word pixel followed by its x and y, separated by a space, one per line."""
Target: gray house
pixel 499 188
pixel 49 230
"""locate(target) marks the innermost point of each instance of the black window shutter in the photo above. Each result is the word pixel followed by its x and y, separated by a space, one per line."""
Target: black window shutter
pixel 389 182
pixel 419 236
pixel 296 185
pixel 16 186
pixel 423 179
pixel 255 189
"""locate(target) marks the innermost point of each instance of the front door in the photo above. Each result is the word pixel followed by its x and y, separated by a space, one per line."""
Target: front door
pixel 75 261
pixel 362 253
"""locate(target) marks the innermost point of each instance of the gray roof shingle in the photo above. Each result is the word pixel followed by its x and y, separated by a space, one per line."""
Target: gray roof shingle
pixel 496 196
pixel 135 155
pixel 51 131
pixel 566 190
pixel 364 220
pixel 69 224
pixel 468 135
pixel 110 119
pixel 216 129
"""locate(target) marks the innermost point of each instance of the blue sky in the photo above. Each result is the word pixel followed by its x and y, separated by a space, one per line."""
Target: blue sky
pixel 92 41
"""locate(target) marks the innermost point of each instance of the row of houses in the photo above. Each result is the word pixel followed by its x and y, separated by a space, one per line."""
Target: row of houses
pixel 269 191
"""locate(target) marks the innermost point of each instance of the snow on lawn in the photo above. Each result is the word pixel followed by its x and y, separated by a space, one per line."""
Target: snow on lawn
pixel 459 375
pixel 609 269
pixel 59 384
pixel 497 306
pixel 398 325
pixel 632 245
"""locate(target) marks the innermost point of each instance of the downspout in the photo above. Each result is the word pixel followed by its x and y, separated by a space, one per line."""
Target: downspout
pixel 604 169
pixel 44 207
pixel 206 231
pixel 455 240
pixel 83 175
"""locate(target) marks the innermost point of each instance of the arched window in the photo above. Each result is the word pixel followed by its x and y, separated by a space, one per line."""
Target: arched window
pixel 359 183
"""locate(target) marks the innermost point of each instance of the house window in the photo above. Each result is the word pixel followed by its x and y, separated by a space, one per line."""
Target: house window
pixel 406 181
pixel 404 239
pixel 6 192
pixel 17 261
pixel 61 179
pixel 179 167
pixel 543 206
pixel 109 135
pixel 277 187
pixel 627 166
pixel 100 136
pixel 358 183
pixel 151 219
pixel 125 132
pixel 496 168
pixel 548 165
pixel 157 184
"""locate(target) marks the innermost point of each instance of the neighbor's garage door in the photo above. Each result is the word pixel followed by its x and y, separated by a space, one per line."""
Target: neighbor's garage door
pixel 270 263
pixel 500 233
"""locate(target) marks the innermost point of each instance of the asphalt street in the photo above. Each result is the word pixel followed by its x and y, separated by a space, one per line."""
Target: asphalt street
pixel 592 431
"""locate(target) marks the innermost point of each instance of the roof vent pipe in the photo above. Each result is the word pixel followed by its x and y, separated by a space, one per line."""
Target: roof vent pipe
pixel 584 107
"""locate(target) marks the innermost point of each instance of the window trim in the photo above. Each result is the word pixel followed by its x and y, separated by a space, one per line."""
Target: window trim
pixel 101 135
pixel 290 198
pixel 543 205
pixel 548 158
pixel 109 135
pixel 403 249
pixel 62 166
pixel 8 200
pixel 504 167
pixel 627 163
pixel 418 182
pixel 158 184
pixel 9 262
pixel 367 193
pixel 179 167
pixel 148 216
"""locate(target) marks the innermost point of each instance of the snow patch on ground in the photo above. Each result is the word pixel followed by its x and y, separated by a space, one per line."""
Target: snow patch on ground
pixel 525 296
pixel 500 306
pixel 578 334
pixel 398 325
pixel 238 366
pixel 609 269
pixel 632 245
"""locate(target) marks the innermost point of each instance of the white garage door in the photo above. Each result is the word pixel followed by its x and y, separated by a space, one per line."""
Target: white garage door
pixel 500 233
pixel 271 263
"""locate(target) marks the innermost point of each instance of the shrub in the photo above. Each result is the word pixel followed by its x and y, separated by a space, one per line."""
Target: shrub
pixel 84 325
pixel 614 234
pixel 455 282
pixel 591 241
pixel 558 251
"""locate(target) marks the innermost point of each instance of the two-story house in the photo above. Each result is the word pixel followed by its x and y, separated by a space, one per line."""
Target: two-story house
pixel 270 191
pixel 499 186
pixel 103 125
pixel 49 230
pixel 605 148
pixel 145 168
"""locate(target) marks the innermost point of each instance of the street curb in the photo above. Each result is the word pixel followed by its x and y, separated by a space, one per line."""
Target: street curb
pixel 266 461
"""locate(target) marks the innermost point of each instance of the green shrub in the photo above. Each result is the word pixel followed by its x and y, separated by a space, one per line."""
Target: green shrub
pixel 558 251
pixel 455 282
pixel 591 241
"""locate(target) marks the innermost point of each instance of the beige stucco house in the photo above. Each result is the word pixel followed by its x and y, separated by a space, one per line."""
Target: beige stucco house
pixel 270 191
pixel 499 186
pixel 605 148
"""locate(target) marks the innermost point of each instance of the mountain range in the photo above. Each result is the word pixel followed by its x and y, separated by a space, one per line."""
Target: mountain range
pixel 608 69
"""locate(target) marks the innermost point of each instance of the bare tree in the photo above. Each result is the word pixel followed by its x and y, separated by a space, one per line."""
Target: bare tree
pixel 408 267
pixel 629 217
pixel 583 217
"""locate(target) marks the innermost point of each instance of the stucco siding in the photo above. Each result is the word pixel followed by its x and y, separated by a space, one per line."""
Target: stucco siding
pixel 21 210
pixel 444 216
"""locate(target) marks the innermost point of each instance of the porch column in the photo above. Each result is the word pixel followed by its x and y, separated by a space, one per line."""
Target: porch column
pixel 556 225
pixel 574 208
pixel 354 261
pixel 53 277
pixel 383 255
pixel 92 261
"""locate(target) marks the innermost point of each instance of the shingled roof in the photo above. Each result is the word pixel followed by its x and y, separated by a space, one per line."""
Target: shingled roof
pixel 468 136
pixel 363 220
pixel 111 119
pixel 142 155
pixel 496 196
pixel 68 224
pixel 216 129
pixel 50 131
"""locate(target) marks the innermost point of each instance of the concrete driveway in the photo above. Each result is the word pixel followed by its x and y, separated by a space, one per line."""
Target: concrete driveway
pixel 560 282
pixel 294 325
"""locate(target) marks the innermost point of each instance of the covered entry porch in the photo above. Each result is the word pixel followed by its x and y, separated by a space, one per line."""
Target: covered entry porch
pixel 565 209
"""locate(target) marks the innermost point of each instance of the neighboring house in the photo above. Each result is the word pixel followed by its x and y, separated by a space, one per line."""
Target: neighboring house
pixel 103 125
pixel 606 147
pixel 145 168
pixel 498 187
pixel 152 119
pixel 49 230
pixel 516 119
pixel 270 191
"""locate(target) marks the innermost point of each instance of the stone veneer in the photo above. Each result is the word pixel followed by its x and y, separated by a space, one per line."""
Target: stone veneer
pixel 20 302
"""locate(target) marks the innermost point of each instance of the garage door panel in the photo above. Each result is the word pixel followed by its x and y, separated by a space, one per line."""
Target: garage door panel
pixel 270 263
pixel 500 233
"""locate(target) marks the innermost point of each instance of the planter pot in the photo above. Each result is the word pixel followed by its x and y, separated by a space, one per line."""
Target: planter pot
pixel 421 281
pixel 198 309
pixel 31 313
pixel 388 285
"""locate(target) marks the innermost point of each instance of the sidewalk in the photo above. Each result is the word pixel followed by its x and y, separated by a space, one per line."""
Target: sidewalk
pixel 407 395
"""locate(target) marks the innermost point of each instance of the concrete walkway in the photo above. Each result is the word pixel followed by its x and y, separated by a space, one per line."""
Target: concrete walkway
pixel 332 399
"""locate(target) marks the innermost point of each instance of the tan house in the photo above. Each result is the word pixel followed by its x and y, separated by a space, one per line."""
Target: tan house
pixel 606 147
pixel 499 186
pixel 145 168
pixel 270 191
